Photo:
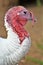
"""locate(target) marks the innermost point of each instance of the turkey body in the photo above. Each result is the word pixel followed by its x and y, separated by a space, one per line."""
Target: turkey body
pixel 11 51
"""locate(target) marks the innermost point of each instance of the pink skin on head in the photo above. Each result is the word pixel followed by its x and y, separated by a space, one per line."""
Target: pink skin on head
pixel 17 17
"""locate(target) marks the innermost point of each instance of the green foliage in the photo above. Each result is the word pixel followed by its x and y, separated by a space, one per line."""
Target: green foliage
pixel 38 3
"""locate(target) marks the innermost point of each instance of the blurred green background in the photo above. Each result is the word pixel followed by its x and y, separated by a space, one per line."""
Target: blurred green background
pixel 35 56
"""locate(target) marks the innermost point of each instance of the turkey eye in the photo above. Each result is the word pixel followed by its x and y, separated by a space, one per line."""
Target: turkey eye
pixel 24 12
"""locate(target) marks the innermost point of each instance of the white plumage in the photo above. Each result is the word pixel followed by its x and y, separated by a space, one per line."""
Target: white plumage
pixel 11 52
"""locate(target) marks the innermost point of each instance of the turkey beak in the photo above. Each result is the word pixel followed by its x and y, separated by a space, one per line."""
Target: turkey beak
pixel 32 18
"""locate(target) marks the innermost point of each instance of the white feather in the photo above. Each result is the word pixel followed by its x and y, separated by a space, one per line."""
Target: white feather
pixel 11 52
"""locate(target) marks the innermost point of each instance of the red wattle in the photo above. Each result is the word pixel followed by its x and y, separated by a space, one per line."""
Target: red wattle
pixel 22 33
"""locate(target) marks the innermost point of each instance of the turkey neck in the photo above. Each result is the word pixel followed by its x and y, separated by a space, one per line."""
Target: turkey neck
pixel 16 30
pixel 11 35
pixel 20 31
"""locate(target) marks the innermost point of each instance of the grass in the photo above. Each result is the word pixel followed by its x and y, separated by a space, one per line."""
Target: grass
pixel 40 46
pixel 34 60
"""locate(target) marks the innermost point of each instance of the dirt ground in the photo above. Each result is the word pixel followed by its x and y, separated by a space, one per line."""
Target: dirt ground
pixel 36 33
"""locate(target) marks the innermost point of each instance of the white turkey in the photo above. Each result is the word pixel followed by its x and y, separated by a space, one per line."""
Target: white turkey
pixel 18 42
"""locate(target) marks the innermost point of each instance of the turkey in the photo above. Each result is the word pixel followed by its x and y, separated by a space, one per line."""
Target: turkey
pixel 18 42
